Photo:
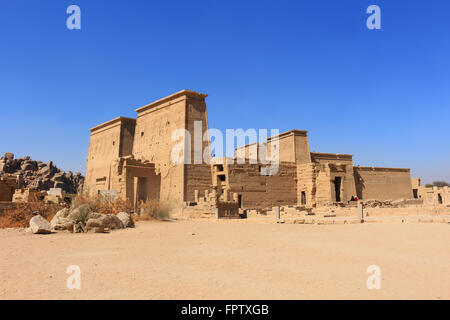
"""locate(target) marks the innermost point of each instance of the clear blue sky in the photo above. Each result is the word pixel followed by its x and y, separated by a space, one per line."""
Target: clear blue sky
pixel 382 95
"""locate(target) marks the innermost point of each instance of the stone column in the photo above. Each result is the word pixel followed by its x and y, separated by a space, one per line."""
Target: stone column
pixel 196 195
pixel 277 212
pixel 360 211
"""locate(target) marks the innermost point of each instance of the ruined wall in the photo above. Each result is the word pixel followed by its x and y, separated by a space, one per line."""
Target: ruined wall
pixel 261 191
pixel 383 183
pixel 7 189
pixel 197 177
pixel 434 196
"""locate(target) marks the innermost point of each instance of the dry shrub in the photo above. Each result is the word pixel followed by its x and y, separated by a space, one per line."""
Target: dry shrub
pixel 108 205
pixel 94 201
pixel 152 210
pixel 102 204
pixel 20 216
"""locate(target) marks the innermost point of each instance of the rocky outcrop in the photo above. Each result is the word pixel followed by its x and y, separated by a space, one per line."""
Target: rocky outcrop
pixel 40 175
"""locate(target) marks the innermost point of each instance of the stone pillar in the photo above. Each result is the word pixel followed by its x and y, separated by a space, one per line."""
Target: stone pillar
pixel 225 195
pixel 277 212
pixel 217 213
pixel 196 195
pixel 360 210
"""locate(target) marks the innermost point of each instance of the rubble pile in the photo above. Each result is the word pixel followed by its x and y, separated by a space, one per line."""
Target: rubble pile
pixel 379 204
pixel 81 219
pixel 40 175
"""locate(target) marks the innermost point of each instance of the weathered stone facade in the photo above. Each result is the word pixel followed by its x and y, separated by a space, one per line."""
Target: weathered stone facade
pixel 132 158
pixel 435 196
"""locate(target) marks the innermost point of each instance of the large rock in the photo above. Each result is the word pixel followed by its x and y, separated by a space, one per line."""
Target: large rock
pixel 105 221
pixel 39 225
pixel 28 166
pixel 63 213
pixel 61 223
pixel 80 214
pixel 9 156
pixel 126 219
pixel 112 222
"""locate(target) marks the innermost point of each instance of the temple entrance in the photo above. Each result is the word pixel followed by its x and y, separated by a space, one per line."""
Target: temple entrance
pixel 337 188
pixel 303 198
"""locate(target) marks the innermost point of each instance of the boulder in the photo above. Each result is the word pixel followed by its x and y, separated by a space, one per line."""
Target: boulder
pixel 9 156
pixel 63 213
pixel 61 223
pixel 112 222
pixel 80 214
pixel 28 166
pixel 126 219
pixel 106 221
pixel 39 225
pixel 96 225
pixel 59 184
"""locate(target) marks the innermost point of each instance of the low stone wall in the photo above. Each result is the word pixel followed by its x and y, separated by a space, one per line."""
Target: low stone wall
pixel 228 210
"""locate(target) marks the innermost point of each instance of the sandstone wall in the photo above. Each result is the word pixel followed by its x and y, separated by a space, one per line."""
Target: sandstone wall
pixel 293 146
pixel 155 125
pixel 106 146
pixel 261 191
pixel 434 196
pixel 306 184
pixel 383 183
pixel 6 190
pixel 197 177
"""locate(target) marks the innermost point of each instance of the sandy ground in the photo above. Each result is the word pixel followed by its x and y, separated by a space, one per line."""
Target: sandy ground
pixel 223 260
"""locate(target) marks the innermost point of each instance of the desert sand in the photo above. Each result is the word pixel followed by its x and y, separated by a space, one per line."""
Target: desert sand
pixel 230 260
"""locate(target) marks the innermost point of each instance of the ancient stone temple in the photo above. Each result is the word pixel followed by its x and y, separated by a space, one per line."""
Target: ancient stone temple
pixel 132 158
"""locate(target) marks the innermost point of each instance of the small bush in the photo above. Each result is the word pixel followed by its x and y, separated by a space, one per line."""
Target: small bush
pixel 102 204
pixel 152 210
pixel 93 201
pixel 108 205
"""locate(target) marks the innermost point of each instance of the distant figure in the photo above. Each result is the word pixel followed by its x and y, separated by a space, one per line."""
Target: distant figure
pixel 356 198
pixel 352 199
